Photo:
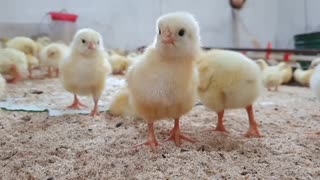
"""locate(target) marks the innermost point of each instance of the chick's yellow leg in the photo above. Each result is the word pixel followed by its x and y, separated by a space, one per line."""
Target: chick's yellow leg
pixel 30 72
pixel 152 140
pixel 253 130
pixel 176 136
pixel 76 103
pixel 57 72
pixel 17 75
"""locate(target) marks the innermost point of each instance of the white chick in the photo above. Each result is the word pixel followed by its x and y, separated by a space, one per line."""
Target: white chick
pixel 84 70
pixel 52 55
pixel 2 85
pixel 13 63
pixel 29 47
pixel 162 84
pixel 229 80
pixel 271 75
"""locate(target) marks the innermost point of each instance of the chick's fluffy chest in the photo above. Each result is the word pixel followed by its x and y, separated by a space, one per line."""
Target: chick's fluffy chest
pixel 162 88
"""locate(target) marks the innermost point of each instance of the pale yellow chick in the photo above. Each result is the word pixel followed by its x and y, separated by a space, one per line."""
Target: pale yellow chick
pixel 303 76
pixel 84 70
pixel 229 80
pixel 29 47
pixel 119 63
pixel 52 55
pixel 120 105
pixel 13 64
pixel 162 83
pixel 271 75
pixel 286 71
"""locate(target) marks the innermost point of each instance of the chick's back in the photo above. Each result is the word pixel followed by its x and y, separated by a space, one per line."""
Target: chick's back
pixel 228 80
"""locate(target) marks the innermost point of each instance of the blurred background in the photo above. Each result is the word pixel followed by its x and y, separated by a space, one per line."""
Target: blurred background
pixel 128 24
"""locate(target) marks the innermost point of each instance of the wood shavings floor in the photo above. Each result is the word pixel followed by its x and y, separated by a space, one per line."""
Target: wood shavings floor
pixel 38 146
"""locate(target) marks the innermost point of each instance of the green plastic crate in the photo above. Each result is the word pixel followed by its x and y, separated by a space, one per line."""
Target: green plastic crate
pixel 307 41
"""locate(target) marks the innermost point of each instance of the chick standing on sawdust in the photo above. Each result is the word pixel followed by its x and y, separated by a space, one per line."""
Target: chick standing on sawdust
pixel 52 55
pixel 85 69
pixel 162 84
pixel 27 46
pixel 229 80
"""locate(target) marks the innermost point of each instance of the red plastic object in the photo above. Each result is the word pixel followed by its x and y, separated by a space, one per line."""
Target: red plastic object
pixel 268 54
pixel 287 57
pixel 59 16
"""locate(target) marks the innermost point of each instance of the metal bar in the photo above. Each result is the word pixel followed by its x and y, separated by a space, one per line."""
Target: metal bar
pixel 295 51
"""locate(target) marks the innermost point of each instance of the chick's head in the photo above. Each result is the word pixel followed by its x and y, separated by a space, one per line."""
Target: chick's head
pixel 87 42
pixel 177 35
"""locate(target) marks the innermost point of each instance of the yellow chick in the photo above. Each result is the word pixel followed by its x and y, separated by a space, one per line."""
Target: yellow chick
pixel 229 80
pixel 162 83
pixel 29 47
pixel 52 55
pixel 286 71
pixel 120 105
pixel 13 63
pixel 43 41
pixel 271 75
pixel 119 64
pixel 84 70
pixel 303 76
pixel 2 85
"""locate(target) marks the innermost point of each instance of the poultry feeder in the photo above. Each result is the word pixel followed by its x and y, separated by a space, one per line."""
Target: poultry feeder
pixel 63 26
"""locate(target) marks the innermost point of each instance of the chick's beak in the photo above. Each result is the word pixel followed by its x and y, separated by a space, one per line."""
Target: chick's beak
pixel 168 38
pixel 91 46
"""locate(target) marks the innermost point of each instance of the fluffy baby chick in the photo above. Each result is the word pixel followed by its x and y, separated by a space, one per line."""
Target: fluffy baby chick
pixel 315 81
pixel 52 55
pixel 119 64
pixel 229 80
pixel 303 76
pixel 43 41
pixel 29 47
pixel 13 63
pixel 271 75
pixel 162 83
pixel 286 71
pixel 120 105
pixel 2 85
pixel 84 70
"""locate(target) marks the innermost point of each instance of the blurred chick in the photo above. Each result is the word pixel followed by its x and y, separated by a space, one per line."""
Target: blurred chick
pixel 162 83
pixel 229 80
pixel 303 76
pixel 29 47
pixel 52 55
pixel 2 85
pixel 120 105
pixel 13 63
pixel 315 82
pixel 43 41
pixel 271 75
pixel 84 70
pixel 119 64
pixel 286 71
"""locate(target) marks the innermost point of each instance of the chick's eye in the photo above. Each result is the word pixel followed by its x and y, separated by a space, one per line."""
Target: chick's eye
pixel 83 41
pixel 181 32
pixel 98 42
pixel 159 31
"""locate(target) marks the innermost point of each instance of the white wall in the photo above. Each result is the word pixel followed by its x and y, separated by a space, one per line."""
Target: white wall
pixel 131 23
